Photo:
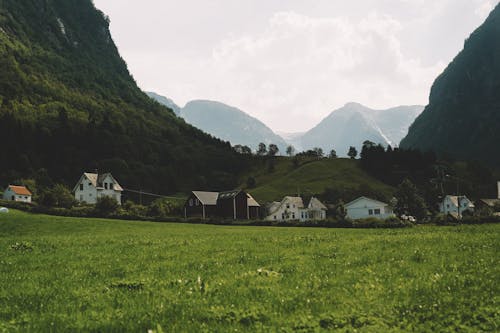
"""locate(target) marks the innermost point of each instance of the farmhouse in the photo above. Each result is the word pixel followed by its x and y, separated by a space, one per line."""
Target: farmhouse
pixel 456 205
pixel 92 186
pixel 292 208
pixel 364 207
pixel 237 205
pixel 17 193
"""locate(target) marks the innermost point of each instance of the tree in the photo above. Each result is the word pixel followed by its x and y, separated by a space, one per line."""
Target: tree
pixel 409 201
pixel 251 182
pixel 106 206
pixel 318 151
pixel 161 208
pixel 58 196
pixel 273 149
pixel 244 150
pixel 290 150
pixel 352 153
pixel 333 154
pixel 262 150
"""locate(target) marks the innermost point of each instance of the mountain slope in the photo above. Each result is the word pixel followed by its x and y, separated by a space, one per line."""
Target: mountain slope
pixel 354 123
pixel 463 115
pixel 230 124
pixel 165 101
pixel 69 104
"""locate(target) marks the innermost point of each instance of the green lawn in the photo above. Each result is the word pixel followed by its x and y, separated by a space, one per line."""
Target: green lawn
pixel 312 177
pixel 66 274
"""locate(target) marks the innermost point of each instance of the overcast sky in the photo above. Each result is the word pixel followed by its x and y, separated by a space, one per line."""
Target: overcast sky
pixel 291 62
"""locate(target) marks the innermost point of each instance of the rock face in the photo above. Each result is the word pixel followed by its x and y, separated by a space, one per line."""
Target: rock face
pixel 462 119
pixel 354 123
pixel 68 104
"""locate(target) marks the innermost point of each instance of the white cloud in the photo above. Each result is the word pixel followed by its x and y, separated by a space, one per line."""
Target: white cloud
pixel 299 68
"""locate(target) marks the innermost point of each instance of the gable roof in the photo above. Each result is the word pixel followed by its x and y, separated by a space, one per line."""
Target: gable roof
pixel 297 201
pixel 251 202
pixel 365 198
pixel 97 179
pixel 207 198
pixel 19 190
pixel 316 204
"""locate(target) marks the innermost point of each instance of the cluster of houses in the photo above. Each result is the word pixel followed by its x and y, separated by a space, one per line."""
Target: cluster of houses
pixel 240 205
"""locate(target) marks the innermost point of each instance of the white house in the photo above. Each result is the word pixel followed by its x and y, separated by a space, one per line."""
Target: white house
pixel 364 207
pixel 456 205
pixel 292 208
pixel 17 193
pixel 92 186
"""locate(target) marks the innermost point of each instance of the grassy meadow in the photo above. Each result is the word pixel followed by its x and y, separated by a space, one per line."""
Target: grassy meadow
pixel 310 177
pixel 67 274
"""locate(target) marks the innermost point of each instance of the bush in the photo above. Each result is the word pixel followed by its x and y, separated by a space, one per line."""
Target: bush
pixel 106 206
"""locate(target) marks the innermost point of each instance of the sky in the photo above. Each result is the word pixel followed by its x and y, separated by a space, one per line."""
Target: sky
pixel 290 63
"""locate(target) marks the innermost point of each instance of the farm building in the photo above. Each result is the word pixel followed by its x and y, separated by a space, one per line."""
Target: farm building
pixel 292 208
pixel 237 205
pixel 92 186
pixel 17 193
pixel 364 207
pixel 456 205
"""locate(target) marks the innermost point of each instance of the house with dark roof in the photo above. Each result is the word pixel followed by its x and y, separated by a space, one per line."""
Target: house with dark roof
pixel 237 205
pixel 92 186
pixel 17 193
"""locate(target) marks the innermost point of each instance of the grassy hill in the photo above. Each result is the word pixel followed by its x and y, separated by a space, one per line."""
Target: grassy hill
pixel 93 275
pixel 310 177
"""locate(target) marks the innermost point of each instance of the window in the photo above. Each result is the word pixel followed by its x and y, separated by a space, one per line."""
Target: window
pixel 275 217
pixel 282 216
pixel 90 184
pixel 287 205
pixel 293 206
pixel 105 186
pixel 293 216
pixel 191 202
pixel 111 186
pixel 13 198
pixel 377 211
pixel 370 211
pixel 302 215
pixel 81 187
pixel 90 194
pixel 197 202
pixel 447 206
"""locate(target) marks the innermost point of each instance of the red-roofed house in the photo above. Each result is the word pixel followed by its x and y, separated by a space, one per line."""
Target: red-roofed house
pixel 17 193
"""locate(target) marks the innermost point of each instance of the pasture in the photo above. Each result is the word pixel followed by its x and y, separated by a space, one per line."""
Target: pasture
pixel 68 274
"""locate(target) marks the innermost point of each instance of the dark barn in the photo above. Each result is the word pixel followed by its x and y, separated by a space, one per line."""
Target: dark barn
pixel 237 205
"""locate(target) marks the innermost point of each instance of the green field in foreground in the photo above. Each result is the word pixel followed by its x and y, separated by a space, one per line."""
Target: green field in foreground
pixel 67 274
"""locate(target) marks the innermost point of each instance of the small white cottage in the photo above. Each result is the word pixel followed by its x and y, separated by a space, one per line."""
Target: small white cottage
pixel 293 209
pixel 17 193
pixel 92 186
pixel 456 205
pixel 364 207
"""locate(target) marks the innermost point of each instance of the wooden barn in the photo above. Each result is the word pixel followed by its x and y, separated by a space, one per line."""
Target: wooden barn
pixel 237 205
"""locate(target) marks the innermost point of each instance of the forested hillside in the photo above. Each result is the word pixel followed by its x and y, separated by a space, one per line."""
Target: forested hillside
pixel 463 116
pixel 68 104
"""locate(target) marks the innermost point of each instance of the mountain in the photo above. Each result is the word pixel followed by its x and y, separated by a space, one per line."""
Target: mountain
pixel 226 122
pixel 354 123
pixel 69 104
pixel 462 119
pixel 165 101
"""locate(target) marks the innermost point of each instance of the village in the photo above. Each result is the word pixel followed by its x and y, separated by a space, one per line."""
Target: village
pixel 239 205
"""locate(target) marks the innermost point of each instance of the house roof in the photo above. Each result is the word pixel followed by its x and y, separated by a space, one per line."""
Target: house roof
pixel 251 201
pixel 19 190
pixel 207 198
pixel 316 204
pixel 490 202
pixel 97 179
pixel 297 201
pixel 366 198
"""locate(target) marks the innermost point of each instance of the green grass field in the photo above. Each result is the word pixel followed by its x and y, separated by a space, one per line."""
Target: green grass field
pixel 312 177
pixel 67 274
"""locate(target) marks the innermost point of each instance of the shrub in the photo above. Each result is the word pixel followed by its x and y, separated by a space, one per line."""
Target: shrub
pixel 106 206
